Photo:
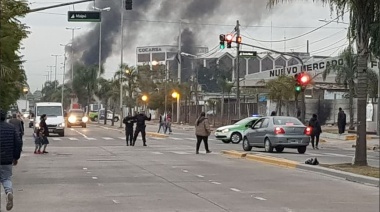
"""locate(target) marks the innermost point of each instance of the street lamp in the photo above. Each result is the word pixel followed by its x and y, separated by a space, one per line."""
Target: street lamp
pixel 100 36
pixel 72 62
pixel 145 99
pixel 25 90
pixel 176 95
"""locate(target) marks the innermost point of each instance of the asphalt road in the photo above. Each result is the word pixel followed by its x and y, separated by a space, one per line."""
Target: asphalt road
pixel 91 169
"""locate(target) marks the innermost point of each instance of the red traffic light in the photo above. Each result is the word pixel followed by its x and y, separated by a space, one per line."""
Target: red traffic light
pixel 238 39
pixel 305 79
pixel 229 37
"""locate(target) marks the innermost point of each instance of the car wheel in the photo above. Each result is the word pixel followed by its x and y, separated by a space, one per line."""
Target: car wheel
pixel 268 145
pixel 301 149
pixel 279 149
pixel 236 138
pixel 226 141
pixel 246 146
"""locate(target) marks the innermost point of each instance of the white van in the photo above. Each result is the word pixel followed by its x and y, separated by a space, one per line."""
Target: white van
pixel 55 118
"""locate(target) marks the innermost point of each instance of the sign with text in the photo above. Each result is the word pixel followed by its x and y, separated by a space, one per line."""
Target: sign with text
pixel 84 16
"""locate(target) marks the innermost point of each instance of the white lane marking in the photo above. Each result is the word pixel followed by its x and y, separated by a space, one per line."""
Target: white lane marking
pixel 176 138
pixel 157 153
pixel 260 198
pixel 235 189
pixel 191 139
pixel 90 139
pixel 107 138
pixel 116 201
pixel 216 183
pixel 84 168
pixel 122 138
pixel 56 139
pixel 181 153
pixel 73 139
pixel 88 172
pixel 94 178
pixel 201 176
pixel 185 171
pixel 79 133
pixel 315 154
pixel 337 155
pixel 99 184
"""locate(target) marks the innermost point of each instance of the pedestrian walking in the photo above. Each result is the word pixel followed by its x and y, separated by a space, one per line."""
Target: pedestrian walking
pixel 19 126
pixel 140 126
pixel 202 131
pixel 10 143
pixel 129 122
pixel 44 133
pixel 315 131
pixel 168 124
pixel 161 124
pixel 341 121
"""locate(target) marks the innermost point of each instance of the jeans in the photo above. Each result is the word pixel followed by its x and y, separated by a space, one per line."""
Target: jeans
pixel 5 177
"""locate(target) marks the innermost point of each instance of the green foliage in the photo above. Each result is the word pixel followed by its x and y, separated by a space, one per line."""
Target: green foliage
pixel 12 31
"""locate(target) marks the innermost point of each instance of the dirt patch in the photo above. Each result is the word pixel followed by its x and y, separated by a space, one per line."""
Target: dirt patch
pixel 362 170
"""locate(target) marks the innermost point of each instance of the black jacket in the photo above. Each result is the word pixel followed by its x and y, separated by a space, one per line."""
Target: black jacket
pixel 341 118
pixel 140 120
pixel 19 125
pixel 129 121
pixel 43 128
pixel 317 129
pixel 10 143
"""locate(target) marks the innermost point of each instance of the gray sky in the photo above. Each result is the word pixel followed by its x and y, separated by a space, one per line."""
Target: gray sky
pixel 48 31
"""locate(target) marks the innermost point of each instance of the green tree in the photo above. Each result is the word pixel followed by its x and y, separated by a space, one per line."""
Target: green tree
pixel 12 32
pixel 363 16
pixel 346 75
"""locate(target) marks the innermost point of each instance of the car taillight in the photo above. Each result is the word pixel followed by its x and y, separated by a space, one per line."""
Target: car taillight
pixel 279 130
pixel 307 131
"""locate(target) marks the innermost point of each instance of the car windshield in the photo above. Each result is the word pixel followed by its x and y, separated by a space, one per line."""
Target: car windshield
pixel 244 121
pixel 49 110
pixel 286 121
pixel 77 113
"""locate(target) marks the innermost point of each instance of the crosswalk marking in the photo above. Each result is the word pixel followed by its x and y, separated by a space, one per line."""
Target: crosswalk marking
pixel 181 153
pixel 177 138
pixel 192 139
pixel 336 155
pixel 73 139
pixel 91 139
pixel 157 153
pixel 56 139
pixel 122 138
pixel 107 138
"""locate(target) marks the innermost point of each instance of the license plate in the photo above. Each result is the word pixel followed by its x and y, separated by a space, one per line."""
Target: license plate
pixel 294 141
pixel 51 130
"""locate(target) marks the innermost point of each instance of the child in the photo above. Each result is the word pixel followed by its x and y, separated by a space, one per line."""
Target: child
pixel 37 140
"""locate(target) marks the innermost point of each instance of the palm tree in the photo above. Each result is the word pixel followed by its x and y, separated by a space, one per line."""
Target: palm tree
pixel 363 15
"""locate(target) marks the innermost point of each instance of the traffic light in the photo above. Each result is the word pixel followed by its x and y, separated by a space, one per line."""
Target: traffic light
pixel 302 80
pixel 238 39
pixel 229 38
pixel 128 4
pixel 222 38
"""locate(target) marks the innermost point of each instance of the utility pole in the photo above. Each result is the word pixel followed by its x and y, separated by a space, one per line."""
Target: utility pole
pixel 50 72
pixel 121 61
pixel 179 52
pixel 72 60
pixel 237 29
pixel 55 74
pixel 63 78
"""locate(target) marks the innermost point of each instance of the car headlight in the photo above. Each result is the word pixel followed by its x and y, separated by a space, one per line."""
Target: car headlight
pixel 72 119
pixel 85 119
pixel 225 131
pixel 61 125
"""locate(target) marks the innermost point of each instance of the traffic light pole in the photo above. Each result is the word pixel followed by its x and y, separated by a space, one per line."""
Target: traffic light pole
pixel 237 29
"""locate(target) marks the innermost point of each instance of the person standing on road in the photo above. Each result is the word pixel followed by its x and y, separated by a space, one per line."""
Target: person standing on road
pixel 316 130
pixel 140 126
pixel 129 121
pixel 168 124
pixel 202 131
pixel 341 121
pixel 10 145
pixel 18 124
pixel 44 130
pixel 161 124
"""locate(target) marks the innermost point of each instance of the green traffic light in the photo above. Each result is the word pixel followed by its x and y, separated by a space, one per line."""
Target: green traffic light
pixel 221 46
pixel 298 88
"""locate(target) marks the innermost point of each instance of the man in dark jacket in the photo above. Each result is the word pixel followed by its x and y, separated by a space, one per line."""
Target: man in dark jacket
pixel 10 145
pixel 140 126
pixel 19 126
pixel 129 121
pixel 341 121
pixel 315 131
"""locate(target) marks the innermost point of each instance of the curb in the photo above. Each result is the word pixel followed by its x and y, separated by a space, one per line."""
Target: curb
pixel 351 137
pixel 273 160
pixel 295 165
pixel 341 174
pixel 234 153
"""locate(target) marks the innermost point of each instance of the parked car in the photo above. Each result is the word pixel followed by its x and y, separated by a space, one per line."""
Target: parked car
pixel 234 133
pixel 277 132
pixel 109 115
pixel 76 117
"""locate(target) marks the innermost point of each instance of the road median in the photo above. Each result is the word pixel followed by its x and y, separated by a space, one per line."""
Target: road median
pixel 273 160
pixel 234 153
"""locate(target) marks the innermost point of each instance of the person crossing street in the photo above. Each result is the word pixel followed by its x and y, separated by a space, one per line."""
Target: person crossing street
pixel 129 122
pixel 140 126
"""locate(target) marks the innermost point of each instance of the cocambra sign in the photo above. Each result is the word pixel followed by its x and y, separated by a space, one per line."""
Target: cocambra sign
pixel 315 67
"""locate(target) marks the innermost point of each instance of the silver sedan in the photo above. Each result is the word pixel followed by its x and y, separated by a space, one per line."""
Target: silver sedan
pixel 277 132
